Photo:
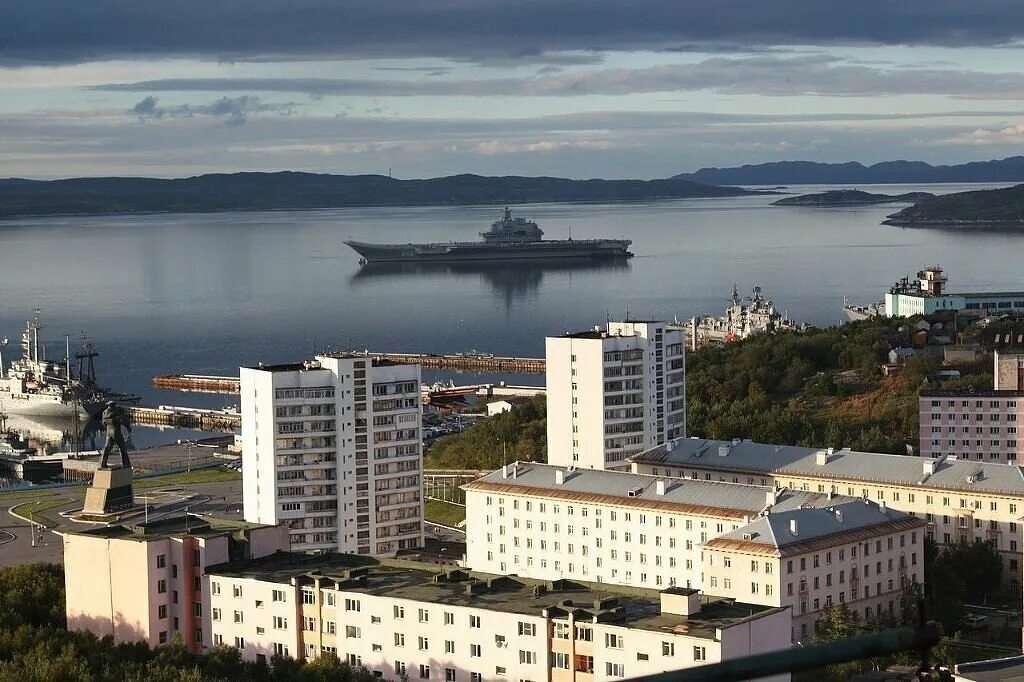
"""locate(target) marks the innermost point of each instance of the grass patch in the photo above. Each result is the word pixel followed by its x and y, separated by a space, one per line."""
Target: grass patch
pixel 23 494
pixel 211 475
pixel 33 511
pixel 445 513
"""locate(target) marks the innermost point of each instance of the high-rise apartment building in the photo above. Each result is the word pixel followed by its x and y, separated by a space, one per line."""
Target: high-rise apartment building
pixel 614 392
pixel 331 447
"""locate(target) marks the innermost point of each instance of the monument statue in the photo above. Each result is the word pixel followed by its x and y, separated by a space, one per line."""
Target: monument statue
pixel 114 418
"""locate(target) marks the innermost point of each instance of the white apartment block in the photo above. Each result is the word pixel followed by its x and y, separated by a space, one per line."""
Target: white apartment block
pixel 978 425
pixel 147 582
pixel 1009 371
pixel 545 522
pixel 332 448
pixel 406 621
pixel 614 392
pixel 855 553
pixel 959 500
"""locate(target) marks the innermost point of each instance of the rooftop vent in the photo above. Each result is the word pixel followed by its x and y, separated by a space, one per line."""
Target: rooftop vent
pixel 635 492
pixel 737 441
pixel 559 476
pixel 839 515
pixel 881 506
pixel 794 528
pixel 821 457
pixel 723 450
pixel 930 465
pixel 659 487
pixel 680 601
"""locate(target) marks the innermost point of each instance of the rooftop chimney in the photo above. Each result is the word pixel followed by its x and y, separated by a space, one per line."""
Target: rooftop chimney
pixel 515 469
pixel 659 487
pixel 821 457
pixel 929 466
pixel 771 497
pixel 723 450
pixel 881 506
pixel 559 476
pixel 680 601
pixel 839 515
pixel 504 471
pixel 793 527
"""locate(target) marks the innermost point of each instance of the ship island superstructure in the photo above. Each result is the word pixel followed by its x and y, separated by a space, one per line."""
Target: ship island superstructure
pixel 744 316
pixel 510 238
pixel 36 385
pixel 926 294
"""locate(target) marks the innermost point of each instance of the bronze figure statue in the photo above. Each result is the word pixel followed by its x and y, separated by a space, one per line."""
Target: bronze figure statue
pixel 113 419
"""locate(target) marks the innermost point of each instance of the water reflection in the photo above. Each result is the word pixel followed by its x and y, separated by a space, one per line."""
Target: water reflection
pixel 509 281
pixel 47 435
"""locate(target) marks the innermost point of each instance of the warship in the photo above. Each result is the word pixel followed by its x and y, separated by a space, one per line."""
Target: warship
pixel 508 239
pixel 35 385
pixel 744 317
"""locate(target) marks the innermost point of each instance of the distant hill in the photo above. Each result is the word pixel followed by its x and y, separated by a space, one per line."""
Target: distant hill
pixel 288 190
pixel 852 173
pixel 850 197
pixel 993 208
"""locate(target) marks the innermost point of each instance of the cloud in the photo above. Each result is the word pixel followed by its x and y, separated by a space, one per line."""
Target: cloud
pixel 769 75
pixel 233 111
pixel 47 31
pixel 1004 135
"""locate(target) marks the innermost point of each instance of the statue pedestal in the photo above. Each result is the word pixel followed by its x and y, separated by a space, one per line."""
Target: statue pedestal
pixel 111 491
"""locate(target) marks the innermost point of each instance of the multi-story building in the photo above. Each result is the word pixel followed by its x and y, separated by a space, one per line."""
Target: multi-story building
pixel 976 424
pixel 411 621
pixel 855 553
pixel 972 425
pixel 614 392
pixel 959 500
pixel 147 582
pixel 331 447
pixel 926 295
pixel 543 521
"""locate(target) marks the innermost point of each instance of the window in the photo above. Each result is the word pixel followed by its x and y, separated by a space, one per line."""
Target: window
pixel 399 612
pixel 614 669
pixel 474 650
pixel 280 649
pixel 239 642
pixel 162 612
pixel 423 644
pixel 214 587
pixel 161 561
pixel 424 616
pixel 527 629
pixel 352 632
pixel 476 677
pixel 668 649
pixel 238 616
pixel 351 604
pixel 236 591
pixel 700 653
pixel 449 646
pixel 424 672
pixel 449 618
pixel 308 597
pixel 280 623
pixel 527 657
pixel 449 675
pixel 474 621
pixel 612 641
pixel 399 639
pixel 400 667
pixel 278 595
pixel 161 586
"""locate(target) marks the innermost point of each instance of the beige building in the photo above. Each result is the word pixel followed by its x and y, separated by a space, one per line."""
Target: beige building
pixel 959 500
pixel 856 553
pixel 613 392
pixel 147 582
pixel 542 521
pixel 411 621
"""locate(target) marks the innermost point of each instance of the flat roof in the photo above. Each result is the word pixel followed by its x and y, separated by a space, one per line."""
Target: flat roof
pixel 1010 669
pixel 868 467
pixel 171 527
pixel 990 393
pixel 846 521
pixel 622 606
pixel 708 498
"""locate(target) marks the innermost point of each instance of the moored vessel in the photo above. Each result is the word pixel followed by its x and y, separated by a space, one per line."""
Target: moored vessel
pixel 508 239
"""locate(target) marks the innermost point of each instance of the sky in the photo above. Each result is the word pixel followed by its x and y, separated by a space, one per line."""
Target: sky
pixel 570 88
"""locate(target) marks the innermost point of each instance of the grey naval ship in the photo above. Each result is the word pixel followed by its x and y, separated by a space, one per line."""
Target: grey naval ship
pixel 508 239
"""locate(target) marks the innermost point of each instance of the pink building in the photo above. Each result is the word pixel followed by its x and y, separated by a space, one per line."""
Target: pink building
pixel 146 582
pixel 978 425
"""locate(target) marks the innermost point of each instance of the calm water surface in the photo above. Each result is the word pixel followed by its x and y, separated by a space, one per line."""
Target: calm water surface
pixel 205 293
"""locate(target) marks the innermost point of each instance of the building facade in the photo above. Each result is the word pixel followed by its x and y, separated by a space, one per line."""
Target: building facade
pixel 411 621
pixel 544 522
pixel 1008 371
pixel 926 295
pixel 972 425
pixel 855 553
pixel 614 392
pixel 332 448
pixel 959 500
pixel 148 582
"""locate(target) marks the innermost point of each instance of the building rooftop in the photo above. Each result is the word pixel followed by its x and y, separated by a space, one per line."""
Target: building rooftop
pixel 171 527
pixel 843 522
pixel 869 467
pixel 1009 669
pixel 709 498
pixel 627 607
pixel 971 393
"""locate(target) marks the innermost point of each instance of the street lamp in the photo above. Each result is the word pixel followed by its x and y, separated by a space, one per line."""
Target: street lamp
pixel 188 453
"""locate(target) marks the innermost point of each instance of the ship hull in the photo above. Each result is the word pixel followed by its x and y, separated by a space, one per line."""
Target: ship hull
pixel 41 407
pixel 598 249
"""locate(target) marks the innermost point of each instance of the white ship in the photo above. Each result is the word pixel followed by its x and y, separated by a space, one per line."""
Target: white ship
pixel 855 313
pixel 744 317
pixel 35 385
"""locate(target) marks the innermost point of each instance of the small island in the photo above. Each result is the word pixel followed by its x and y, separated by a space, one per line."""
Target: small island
pixel 982 209
pixel 850 197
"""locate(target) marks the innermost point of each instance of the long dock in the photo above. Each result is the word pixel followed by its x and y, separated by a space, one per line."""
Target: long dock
pixel 476 362
pixel 186 417
pixel 199 383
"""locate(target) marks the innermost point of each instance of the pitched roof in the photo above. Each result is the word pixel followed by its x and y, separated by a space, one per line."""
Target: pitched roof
pixel 846 465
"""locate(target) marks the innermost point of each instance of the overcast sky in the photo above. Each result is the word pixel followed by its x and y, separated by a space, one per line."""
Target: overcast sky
pixel 575 88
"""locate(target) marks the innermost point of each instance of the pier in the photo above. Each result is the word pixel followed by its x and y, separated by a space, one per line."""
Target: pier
pixel 186 418
pixel 199 383
pixel 471 362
